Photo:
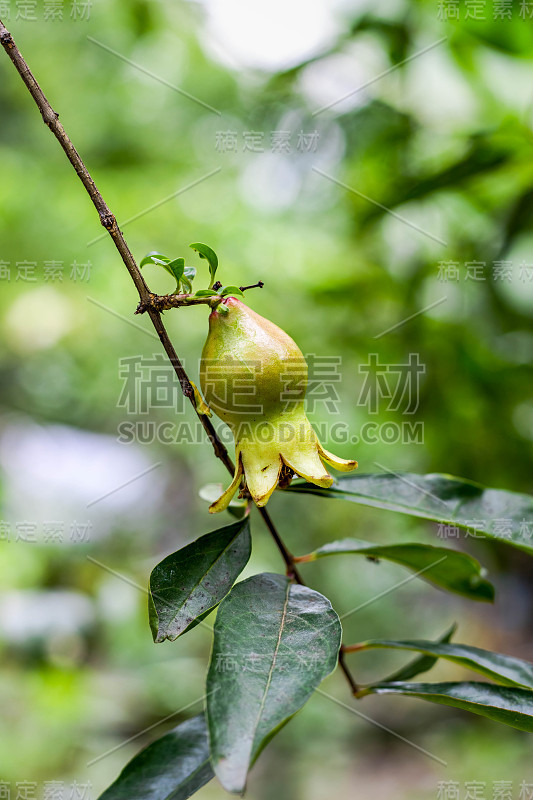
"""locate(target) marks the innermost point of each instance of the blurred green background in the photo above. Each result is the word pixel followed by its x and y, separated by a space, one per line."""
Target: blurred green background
pixel 370 162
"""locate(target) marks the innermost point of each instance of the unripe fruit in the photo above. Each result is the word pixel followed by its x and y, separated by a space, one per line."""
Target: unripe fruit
pixel 254 377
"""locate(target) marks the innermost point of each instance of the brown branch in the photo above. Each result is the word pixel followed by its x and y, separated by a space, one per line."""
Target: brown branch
pixel 149 302
pixel 258 285
pixel 51 119
pixel 354 688
pixel 162 302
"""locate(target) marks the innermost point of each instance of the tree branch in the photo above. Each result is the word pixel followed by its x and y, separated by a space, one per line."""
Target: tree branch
pixel 162 302
pixel 51 119
pixel 149 302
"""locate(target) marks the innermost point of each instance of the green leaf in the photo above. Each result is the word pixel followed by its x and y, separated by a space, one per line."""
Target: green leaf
pixel 177 266
pixel 275 641
pixel 205 252
pixel 513 707
pixel 501 668
pixel 172 768
pixel 417 665
pixel 154 258
pixel 190 583
pixel 230 290
pixel 174 268
pixel 450 569
pixel 160 261
pixel 185 284
pixel 206 293
pixel 190 272
pixel 498 514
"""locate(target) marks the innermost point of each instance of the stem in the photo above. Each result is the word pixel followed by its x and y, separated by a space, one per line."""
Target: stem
pixel 347 674
pixel 292 572
pixel 51 119
pixel 304 559
pixel 355 648
pixel 148 301
pixel 258 285
pixel 162 302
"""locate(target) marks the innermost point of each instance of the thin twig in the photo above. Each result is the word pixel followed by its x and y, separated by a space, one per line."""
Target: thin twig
pixel 147 299
pixel 162 302
pixel 51 119
pixel 258 285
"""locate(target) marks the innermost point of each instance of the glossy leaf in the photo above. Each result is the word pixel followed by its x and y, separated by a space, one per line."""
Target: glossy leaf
pixel 418 665
pixel 513 707
pixel 495 513
pixel 186 283
pixel 174 268
pixel 233 290
pixel 275 641
pixel 206 252
pixel 154 258
pixel 188 584
pixel 450 569
pixel 172 768
pixel 177 266
pixel 206 293
pixel 500 668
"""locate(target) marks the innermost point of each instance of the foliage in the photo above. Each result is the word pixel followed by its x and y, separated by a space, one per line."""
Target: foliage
pixel 275 641
pixel 460 167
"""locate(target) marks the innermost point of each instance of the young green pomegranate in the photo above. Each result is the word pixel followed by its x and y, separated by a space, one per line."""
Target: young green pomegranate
pixel 254 377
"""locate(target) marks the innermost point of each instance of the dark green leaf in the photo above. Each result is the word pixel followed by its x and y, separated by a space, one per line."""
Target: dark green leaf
pixel 501 668
pixel 418 665
pixel 449 569
pixel 230 290
pixel 275 641
pixel 206 293
pixel 188 584
pixel 496 513
pixel 172 768
pixel 205 252
pixel 500 703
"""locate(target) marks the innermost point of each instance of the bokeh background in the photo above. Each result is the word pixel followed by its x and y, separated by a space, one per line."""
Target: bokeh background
pixel 370 162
